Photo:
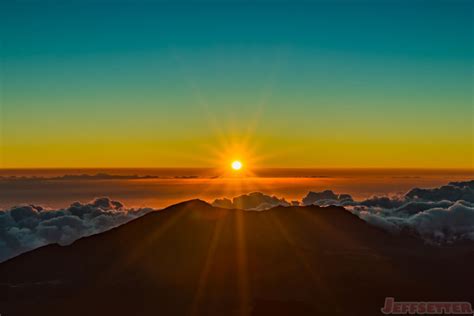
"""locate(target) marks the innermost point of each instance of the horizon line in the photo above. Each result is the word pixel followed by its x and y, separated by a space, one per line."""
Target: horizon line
pixel 255 168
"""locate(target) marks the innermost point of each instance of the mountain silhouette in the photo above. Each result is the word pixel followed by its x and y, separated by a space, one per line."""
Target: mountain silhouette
pixel 195 259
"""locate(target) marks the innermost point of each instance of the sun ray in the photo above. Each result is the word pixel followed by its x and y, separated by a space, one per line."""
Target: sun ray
pixel 242 269
pixel 206 267
pixel 299 254
pixel 137 252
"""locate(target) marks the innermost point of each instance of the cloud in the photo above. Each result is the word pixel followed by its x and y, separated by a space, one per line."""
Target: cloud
pixel 444 224
pixel 98 176
pixel 252 201
pixel 454 191
pixel 438 215
pixel 26 227
pixel 325 198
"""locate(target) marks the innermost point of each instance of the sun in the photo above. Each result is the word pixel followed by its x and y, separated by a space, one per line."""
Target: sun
pixel 236 165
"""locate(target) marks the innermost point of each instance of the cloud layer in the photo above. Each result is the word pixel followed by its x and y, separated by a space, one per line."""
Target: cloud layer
pixel 27 227
pixel 440 215
pixel 253 201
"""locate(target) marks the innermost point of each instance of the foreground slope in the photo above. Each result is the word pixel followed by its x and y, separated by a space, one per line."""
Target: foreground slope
pixel 194 259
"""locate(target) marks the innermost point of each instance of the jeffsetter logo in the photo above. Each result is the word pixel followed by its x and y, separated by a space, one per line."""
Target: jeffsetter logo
pixel 422 308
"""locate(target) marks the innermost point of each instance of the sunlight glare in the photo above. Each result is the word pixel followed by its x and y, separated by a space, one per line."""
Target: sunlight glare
pixel 236 165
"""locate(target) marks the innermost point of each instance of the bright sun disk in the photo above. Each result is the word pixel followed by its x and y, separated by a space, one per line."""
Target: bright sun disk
pixel 236 165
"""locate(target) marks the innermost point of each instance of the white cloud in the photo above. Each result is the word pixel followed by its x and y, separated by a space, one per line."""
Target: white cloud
pixel 27 227
pixel 437 215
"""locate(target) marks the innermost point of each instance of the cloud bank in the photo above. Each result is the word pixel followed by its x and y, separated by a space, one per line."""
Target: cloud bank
pixel 439 216
pixel 253 201
pixel 24 228
pixel 68 177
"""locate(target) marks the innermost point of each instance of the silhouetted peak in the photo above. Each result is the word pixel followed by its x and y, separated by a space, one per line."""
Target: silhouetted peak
pixel 194 203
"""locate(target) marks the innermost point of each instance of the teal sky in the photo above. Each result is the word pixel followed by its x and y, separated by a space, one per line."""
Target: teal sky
pixel 308 84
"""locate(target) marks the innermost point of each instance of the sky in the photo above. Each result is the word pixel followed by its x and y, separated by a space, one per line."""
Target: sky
pixel 386 84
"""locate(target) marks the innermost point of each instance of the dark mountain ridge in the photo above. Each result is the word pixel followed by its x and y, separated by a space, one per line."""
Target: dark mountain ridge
pixel 195 259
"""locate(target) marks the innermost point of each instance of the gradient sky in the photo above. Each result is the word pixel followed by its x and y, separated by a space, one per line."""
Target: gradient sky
pixel 303 84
